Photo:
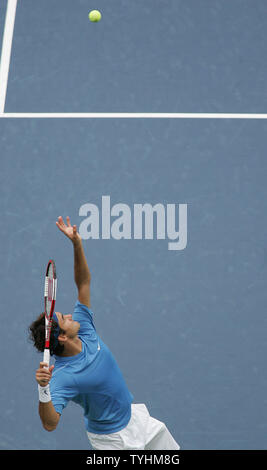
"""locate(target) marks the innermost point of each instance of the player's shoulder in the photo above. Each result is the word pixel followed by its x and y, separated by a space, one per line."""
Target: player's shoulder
pixel 82 308
pixel 84 315
pixel 60 375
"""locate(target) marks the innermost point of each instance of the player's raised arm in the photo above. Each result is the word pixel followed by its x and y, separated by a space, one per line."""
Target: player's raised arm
pixel 82 274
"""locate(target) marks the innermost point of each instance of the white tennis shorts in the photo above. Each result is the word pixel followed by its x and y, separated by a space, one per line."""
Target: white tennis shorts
pixel 142 432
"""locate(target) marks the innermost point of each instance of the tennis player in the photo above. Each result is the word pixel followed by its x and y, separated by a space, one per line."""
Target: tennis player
pixel 86 373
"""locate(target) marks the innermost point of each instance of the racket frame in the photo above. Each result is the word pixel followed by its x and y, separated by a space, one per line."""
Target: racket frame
pixel 50 290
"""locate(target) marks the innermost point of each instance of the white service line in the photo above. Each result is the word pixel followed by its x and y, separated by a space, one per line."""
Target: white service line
pixel 6 50
pixel 137 115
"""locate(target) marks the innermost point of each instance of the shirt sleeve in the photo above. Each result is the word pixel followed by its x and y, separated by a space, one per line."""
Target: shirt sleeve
pixel 58 401
pixel 84 316
pixel 61 392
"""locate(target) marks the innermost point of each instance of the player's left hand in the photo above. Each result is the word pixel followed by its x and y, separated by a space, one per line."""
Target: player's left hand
pixel 69 230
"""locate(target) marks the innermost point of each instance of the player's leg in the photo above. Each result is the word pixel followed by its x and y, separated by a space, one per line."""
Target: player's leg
pixel 142 432
pixel 158 437
pixel 105 441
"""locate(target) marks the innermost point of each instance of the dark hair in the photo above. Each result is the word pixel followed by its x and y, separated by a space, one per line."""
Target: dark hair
pixel 37 336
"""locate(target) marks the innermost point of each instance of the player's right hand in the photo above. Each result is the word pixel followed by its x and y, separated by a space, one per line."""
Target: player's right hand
pixel 43 374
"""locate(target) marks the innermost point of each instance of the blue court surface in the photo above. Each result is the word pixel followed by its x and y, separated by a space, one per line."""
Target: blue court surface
pixel 180 299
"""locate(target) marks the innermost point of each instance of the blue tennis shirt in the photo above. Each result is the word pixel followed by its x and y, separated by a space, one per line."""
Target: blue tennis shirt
pixel 92 379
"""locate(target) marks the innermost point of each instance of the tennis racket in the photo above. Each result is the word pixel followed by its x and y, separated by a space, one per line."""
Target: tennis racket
pixel 50 291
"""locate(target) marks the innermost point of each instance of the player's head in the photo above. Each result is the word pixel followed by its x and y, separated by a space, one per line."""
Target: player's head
pixel 63 330
pixel 37 335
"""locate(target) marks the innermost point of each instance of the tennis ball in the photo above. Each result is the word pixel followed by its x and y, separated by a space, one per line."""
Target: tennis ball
pixel 94 16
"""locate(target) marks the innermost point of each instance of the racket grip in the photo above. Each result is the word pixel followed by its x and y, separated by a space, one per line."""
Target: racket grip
pixel 46 357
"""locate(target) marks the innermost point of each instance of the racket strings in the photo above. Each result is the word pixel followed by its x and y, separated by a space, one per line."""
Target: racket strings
pixel 49 290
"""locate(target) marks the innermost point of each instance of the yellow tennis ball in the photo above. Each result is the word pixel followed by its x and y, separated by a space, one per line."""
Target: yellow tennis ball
pixel 95 16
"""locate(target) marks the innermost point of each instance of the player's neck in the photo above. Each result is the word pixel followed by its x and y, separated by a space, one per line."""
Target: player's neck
pixel 72 347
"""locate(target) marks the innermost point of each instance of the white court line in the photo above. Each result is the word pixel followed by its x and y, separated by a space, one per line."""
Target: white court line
pixel 6 50
pixel 4 71
pixel 136 115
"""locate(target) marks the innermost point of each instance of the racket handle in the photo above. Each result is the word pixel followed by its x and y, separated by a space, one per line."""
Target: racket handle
pixel 46 357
